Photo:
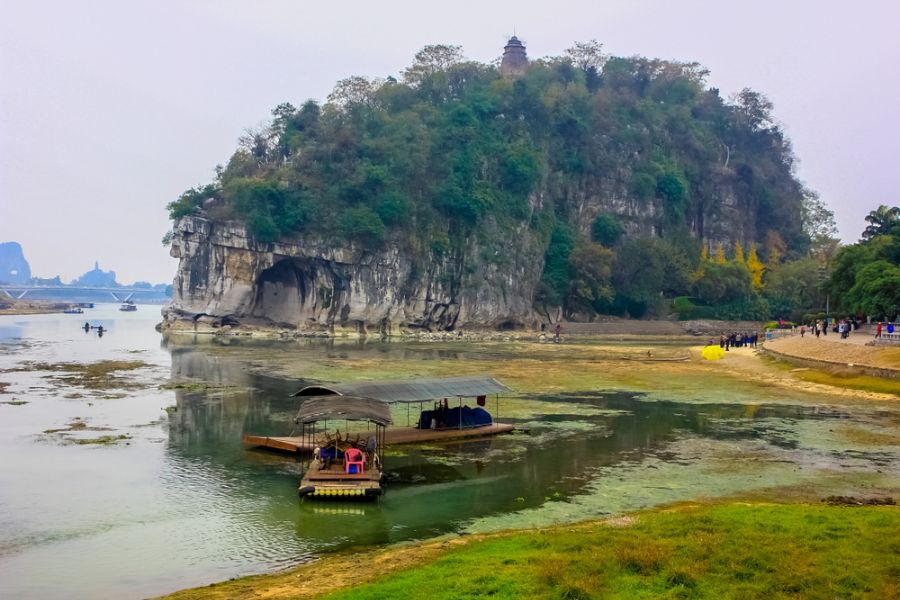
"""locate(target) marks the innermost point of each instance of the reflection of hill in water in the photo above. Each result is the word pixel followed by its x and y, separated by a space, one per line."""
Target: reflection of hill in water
pixel 436 488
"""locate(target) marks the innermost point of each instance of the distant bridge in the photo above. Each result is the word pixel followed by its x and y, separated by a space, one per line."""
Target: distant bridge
pixel 17 292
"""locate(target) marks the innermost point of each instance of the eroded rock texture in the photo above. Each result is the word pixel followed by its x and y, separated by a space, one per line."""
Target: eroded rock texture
pixel 226 278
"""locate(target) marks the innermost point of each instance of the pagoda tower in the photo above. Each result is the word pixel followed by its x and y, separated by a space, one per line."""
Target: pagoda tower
pixel 515 60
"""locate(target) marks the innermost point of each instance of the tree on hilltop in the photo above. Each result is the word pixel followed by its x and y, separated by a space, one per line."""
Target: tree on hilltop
pixel 883 220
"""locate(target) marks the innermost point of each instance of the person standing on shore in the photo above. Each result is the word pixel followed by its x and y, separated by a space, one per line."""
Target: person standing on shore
pixel 878 330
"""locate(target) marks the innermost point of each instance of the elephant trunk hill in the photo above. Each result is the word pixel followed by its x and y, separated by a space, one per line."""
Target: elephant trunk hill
pixel 466 195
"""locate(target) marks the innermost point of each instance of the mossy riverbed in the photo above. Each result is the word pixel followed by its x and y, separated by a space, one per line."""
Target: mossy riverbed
pixel 604 433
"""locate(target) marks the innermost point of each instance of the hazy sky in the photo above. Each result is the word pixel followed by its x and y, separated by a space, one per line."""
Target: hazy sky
pixel 110 109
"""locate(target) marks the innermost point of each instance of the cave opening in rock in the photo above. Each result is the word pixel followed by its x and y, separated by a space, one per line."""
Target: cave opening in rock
pixel 509 326
pixel 281 290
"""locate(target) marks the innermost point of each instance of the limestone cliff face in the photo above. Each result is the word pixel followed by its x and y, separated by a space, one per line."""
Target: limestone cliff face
pixel 227 278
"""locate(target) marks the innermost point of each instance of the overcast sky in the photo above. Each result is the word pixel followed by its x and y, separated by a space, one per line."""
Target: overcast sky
pixel 110 109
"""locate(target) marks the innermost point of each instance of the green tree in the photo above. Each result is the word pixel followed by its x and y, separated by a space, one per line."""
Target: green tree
pixel 363 224
pixel 792 287
pixel 590 268
pixel 724 283
pixel 557 274
pixel 882 221
pixel 606 229
pixel 876 290
pixel 432 60
pixel 640 274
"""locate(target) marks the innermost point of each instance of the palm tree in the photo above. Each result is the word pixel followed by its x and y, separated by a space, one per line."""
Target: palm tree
pixel 882 221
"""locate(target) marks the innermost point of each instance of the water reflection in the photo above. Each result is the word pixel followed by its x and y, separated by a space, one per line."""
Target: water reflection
pixel 437 488
pixel 186 504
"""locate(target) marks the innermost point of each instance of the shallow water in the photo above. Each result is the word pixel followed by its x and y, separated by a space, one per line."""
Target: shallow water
pixel 180 502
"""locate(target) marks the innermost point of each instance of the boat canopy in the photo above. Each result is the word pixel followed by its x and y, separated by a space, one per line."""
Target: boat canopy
pixel 351 408
pixel 410 390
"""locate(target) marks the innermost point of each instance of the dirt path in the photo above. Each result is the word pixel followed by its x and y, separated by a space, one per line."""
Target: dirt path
pixel 750 364
pixel 331 573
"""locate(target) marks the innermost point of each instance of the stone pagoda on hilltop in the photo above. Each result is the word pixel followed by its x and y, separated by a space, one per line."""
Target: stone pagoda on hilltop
pixel 515 60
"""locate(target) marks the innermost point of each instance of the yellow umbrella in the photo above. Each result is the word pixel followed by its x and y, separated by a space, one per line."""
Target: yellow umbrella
pixel 713 353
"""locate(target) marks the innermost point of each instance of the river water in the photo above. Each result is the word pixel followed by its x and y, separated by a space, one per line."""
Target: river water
pixel 175 500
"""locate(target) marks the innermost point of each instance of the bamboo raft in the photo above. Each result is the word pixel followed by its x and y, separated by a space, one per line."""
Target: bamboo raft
pixel 393 436
pixel 659 359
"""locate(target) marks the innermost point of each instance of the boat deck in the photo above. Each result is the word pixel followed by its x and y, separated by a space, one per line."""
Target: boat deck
pixel 322 481
pixel 393 436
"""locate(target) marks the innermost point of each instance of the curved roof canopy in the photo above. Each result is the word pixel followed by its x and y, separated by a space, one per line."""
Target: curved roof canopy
pixel 350 408
pixel 410 390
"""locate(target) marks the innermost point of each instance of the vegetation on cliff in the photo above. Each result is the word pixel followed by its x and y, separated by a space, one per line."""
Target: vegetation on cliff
pixel 624 169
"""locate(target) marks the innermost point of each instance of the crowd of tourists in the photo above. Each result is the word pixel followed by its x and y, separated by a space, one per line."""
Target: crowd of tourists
pixel 738 340
pixel 842 327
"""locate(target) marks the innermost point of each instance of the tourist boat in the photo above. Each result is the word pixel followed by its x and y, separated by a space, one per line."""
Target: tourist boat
pixel 128 306
pixel 437 421
pixel 73 310
pixel 344 466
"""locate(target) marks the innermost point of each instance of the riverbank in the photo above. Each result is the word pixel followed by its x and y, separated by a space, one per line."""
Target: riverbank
pixel 9 306
pixel 692 549
pixel 728 549
pixel 608 328
pixel 833 351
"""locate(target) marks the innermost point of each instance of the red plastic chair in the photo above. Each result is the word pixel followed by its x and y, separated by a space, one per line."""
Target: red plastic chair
pixel 354 456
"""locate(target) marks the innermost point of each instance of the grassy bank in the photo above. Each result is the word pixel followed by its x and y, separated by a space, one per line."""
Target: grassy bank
pixel 729 550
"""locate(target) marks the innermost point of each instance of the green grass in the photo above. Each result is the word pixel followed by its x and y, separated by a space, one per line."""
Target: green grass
pixel 846 378
pixel 721 551
pixel 842 377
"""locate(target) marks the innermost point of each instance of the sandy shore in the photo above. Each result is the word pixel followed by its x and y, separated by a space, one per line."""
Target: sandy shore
pixel 833 350
pixel 9 306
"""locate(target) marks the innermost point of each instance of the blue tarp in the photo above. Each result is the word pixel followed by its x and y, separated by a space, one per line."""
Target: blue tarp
pixel 470 417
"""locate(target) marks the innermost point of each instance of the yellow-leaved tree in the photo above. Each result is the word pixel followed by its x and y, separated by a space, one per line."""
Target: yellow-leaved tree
pixel 756 268
pixel 739 253
pixel 720 255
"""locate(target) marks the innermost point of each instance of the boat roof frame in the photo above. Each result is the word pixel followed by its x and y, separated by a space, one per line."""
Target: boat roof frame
pixel 343 408
pixel 409 390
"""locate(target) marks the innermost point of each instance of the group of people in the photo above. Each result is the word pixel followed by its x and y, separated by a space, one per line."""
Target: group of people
pixel 842 327
pixel 883 328
pixel 738 340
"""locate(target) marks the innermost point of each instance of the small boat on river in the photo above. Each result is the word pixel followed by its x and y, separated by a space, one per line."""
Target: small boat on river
pixel 128 306
pixel 73 310
pixel 343 466
pixel 440 421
